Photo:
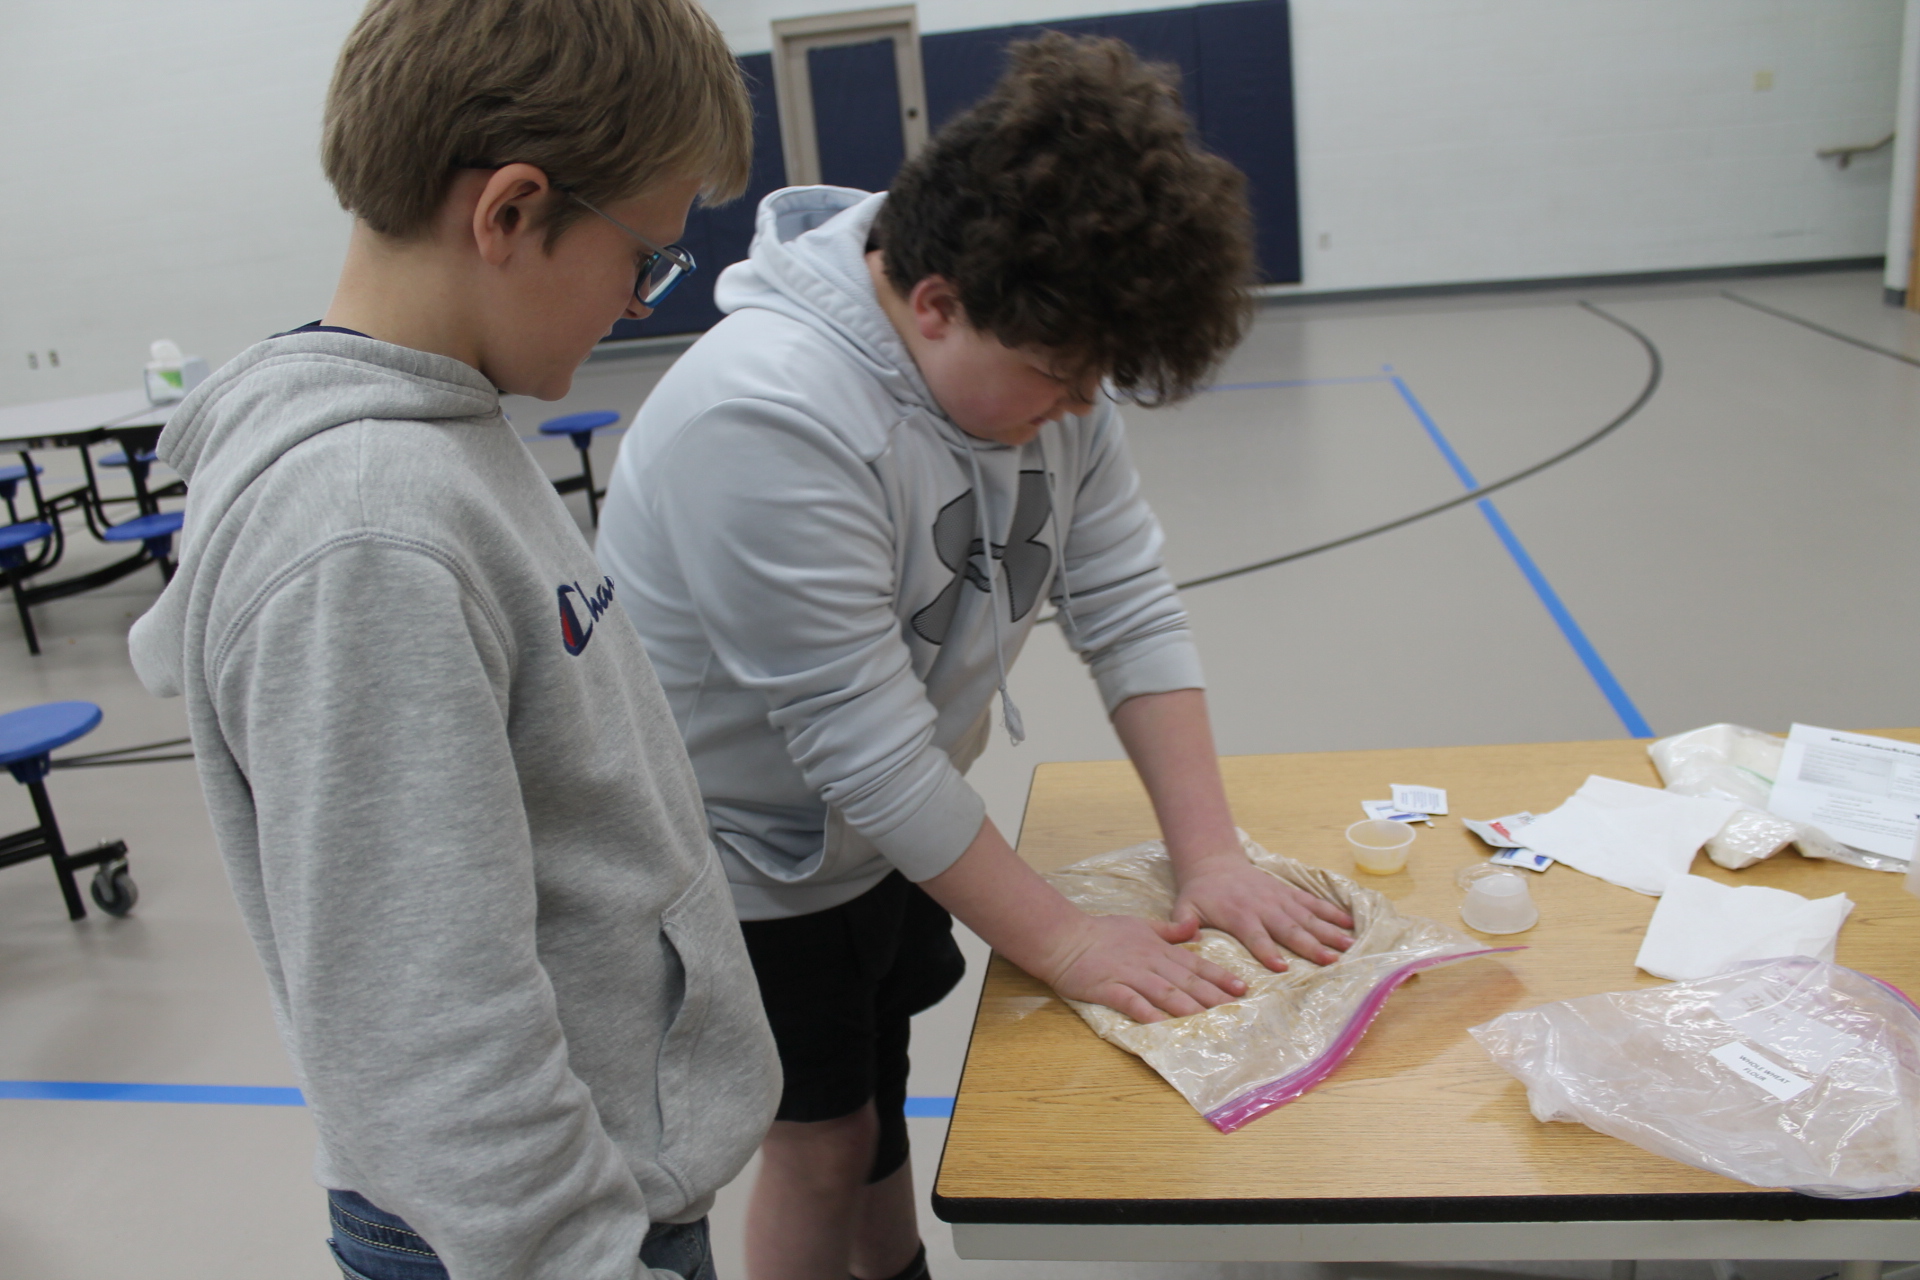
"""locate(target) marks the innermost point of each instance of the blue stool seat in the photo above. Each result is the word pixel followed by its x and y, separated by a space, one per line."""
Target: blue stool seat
pixel 580 426
pixel 120 459
pixel 15 567
pixel 15 536
pixel 36 731
pixel 10 478
pixel 27 739
pixel 163 524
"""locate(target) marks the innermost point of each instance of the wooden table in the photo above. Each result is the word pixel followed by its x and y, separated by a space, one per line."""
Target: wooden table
pixel 1419 1147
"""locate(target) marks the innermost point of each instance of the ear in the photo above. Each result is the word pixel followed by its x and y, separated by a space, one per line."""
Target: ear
pixel 504 215
pixel 936 308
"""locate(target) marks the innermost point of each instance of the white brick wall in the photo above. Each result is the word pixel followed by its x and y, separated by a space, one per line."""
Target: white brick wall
pixel 161 174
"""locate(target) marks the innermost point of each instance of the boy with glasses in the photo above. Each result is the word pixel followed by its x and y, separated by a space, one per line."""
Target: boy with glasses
pixel 452 801
pixel 835 521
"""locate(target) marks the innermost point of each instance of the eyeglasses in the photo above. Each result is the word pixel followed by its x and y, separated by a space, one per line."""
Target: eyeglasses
pixel 663 270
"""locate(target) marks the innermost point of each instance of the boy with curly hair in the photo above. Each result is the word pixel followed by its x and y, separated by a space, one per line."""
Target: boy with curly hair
pixel 453 804
pixel 834 523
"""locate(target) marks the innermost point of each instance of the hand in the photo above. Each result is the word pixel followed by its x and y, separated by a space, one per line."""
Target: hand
pixel 1136 967
pixel 1264 912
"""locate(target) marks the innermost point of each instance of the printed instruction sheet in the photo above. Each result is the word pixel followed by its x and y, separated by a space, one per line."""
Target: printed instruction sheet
pixel 1861 790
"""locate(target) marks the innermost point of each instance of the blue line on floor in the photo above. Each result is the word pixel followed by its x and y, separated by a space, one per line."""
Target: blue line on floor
pixel 247 1095
pixel 1298 382
pixel 1590 658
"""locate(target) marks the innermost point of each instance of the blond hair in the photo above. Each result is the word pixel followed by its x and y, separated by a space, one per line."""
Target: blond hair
pixel 605 96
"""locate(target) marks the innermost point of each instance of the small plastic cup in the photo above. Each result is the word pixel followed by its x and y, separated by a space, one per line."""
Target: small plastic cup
pixel 1379 846
pixel 1500 903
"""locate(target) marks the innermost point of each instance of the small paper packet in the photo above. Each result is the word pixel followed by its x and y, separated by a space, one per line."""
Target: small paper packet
pixel 1391 812
pixel 1420 799
pixel 1526 859
pixel 1499 832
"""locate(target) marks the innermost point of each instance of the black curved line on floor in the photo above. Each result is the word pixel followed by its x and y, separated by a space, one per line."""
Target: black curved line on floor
pixel 1655 368
pixel 1817 328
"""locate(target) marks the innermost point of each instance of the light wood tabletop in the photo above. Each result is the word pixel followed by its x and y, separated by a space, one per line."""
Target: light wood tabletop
pixel 1052 1124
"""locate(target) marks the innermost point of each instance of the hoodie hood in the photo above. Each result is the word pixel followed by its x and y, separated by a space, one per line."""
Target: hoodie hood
pixel 809 262
pixel 272 397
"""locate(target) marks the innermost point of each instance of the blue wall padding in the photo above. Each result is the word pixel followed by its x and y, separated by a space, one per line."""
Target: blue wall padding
pixel 1236 76
pixel 720 236
pixel 1246 69
pixel 856 114
pixel 1236 68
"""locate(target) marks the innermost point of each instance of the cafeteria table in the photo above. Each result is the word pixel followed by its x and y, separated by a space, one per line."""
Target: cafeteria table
pixel 1062 1146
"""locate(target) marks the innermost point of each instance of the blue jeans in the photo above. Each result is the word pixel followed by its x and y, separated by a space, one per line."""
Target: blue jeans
pixel 371 1244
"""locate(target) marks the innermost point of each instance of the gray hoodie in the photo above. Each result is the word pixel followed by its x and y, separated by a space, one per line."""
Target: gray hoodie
pixel 456 815
pixel 831 578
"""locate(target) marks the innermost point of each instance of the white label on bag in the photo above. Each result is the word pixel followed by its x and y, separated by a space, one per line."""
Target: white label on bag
pixel 1756 1010
pixel 1749 1065
pixel 1420 799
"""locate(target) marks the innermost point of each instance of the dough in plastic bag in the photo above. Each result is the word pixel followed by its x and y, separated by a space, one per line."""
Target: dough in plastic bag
pixel 1733 762
pixel 1238 1061
pixel 1791 1073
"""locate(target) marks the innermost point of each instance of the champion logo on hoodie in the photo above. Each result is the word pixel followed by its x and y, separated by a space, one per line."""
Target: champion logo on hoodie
pixel 572 635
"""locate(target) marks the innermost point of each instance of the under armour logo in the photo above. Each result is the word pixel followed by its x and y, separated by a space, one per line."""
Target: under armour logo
pixel 1025 559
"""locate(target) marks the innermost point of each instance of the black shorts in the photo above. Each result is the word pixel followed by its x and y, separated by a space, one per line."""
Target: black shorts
pixel 840 987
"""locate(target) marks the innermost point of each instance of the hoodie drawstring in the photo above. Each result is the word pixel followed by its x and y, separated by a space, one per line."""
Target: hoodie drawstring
pixel 1009 713
pixel 1065 608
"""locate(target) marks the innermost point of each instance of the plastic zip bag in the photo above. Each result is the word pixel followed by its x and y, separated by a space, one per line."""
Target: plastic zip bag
pixel 1733 762
pixel 1238 1061
pixel 1790 1073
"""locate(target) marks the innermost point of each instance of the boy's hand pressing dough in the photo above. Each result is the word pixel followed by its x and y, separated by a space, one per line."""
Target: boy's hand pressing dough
pixel 1136 967
pixel 1265 913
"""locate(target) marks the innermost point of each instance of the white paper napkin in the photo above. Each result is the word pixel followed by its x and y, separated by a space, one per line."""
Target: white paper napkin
pixel 1703 927
pixel 1639 837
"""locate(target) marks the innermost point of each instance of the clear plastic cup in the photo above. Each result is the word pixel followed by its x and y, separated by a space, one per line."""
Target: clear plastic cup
pixel 1500 903
pixel 1379 846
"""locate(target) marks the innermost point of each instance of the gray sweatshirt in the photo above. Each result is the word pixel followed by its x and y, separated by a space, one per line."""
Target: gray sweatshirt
pixel 456 814
pixel 831 577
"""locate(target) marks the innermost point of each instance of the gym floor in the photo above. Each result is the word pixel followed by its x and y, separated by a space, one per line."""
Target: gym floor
pixel 1741 547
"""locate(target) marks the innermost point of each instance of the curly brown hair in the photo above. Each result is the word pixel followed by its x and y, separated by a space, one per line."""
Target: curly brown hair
pixel 1073 209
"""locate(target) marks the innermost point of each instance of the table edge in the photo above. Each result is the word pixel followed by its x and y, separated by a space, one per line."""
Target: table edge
pixel 1757 1205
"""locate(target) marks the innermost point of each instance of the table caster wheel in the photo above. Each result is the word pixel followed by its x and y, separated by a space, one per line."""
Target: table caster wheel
pixel 113 889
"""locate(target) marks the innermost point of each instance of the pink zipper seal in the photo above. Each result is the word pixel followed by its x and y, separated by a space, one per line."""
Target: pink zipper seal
pixel 1256 1102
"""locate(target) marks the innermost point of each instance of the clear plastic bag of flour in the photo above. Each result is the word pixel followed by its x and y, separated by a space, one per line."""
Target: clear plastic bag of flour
pixel 1733 762
pixel 1790 1073
pixel 1238 1061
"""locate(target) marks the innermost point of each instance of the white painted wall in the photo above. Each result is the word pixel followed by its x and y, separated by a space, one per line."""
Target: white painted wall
pixel 161 176
pixel 1500 139
pixel 160 170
